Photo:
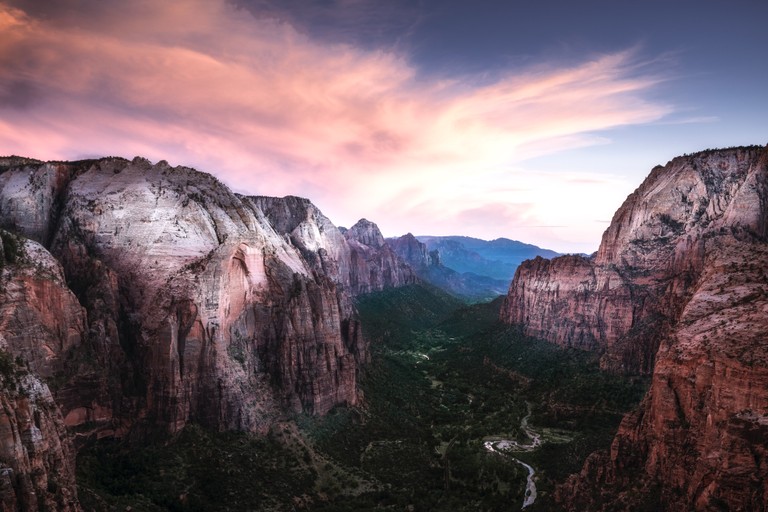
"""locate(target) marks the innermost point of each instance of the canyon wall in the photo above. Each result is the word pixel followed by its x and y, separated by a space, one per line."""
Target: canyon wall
pixel 41 322
pixel 679 288
pixel 150 296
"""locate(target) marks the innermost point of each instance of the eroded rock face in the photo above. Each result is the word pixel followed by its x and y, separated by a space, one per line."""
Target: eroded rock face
pixel 622 300
pixel 374 265
pixel 413 251
pixel 152 296
pixel 41 320
pixel 680 275
pixel 699 438
pixel 36 456
pixel 188 302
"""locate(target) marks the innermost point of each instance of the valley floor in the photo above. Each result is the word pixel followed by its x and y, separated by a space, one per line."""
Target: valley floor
pixel 446 382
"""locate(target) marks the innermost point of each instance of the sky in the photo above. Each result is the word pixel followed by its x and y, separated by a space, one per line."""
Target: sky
pixel 496 118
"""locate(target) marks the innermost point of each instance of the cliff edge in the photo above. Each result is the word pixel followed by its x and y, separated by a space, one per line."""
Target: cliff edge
pixel 678 288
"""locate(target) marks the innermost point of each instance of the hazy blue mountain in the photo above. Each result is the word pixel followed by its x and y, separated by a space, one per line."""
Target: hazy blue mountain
pixel 496 259
pixel 430 266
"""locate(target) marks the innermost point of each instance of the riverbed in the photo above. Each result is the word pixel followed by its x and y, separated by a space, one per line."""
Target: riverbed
pixel 505 446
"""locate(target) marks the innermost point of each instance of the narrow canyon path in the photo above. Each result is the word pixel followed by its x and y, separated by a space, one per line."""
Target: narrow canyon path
pixel 505 446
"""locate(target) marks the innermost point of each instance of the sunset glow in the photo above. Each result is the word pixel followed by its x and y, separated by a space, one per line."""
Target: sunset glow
pixel 273 109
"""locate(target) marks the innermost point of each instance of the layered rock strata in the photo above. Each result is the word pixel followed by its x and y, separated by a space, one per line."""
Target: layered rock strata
pixel 373 263
pixel 36 456
pixel 678 286
pixel 621 300
pixel 172 299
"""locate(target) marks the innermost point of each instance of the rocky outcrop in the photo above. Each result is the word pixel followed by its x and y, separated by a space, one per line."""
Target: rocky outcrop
pixel 41 325
pixel 41 320
pixel 414 252
pixel 373 263
pixel 622 300
pixel 357 258
pixel 173 299
pixel 149 297
pixel 680 276
pixel 698 441
pixel 36 456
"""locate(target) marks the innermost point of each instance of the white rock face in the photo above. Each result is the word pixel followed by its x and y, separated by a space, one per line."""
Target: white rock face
pixel 30 195
pixel 202 305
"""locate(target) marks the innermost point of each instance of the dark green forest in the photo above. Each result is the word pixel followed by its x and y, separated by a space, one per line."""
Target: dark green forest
pixel 444 378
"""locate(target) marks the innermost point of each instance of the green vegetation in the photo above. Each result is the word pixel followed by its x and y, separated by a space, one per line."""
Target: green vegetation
pixel 11 248
pixel 452 381
pixel 444 377
pixel 11 371
pixel 197 471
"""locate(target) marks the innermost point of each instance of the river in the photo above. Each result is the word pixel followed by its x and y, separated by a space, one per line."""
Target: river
pixel 504 446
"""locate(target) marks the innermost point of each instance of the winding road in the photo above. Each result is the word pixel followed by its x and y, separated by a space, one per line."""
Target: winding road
pixel 504 446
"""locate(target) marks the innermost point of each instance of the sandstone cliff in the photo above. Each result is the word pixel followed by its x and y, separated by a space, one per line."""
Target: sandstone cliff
pixel 149 296
pixel 40 323
pixel 678 287
pixel 36 456
pixel 621 299
pixel 188 302
pixel 374 265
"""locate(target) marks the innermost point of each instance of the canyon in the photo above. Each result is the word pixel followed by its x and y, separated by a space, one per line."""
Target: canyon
pixel 676 290
pixel 139 299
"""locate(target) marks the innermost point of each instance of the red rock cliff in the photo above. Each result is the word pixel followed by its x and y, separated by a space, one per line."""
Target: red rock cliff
pixel 621 300
pixel 41 324
pixel 680 276
pixel 150 296
pixel 190 303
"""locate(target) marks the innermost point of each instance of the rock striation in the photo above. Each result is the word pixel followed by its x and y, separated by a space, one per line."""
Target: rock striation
pixel 621 299
pixel 374 264
pixel 41 324
pixel 679 288
pixel 36 456
pixel 150 296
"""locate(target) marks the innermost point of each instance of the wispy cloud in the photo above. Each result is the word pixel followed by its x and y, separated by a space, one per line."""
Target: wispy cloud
pixel 272 111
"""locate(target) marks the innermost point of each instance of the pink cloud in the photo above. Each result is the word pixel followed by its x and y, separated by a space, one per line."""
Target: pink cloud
pixel 271 111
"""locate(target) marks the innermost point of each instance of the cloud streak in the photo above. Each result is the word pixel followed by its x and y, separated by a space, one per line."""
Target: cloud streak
pixel 272 111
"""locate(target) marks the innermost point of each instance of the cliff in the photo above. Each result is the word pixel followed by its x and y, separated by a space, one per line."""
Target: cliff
pixel 374 264
pixel 621 300
pixel 40 323
pixel 150 296
pixel 36 456
pixel 677 287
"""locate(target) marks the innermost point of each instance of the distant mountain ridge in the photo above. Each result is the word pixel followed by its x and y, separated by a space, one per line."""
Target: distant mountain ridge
pixel 429 266
pixel 496 259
